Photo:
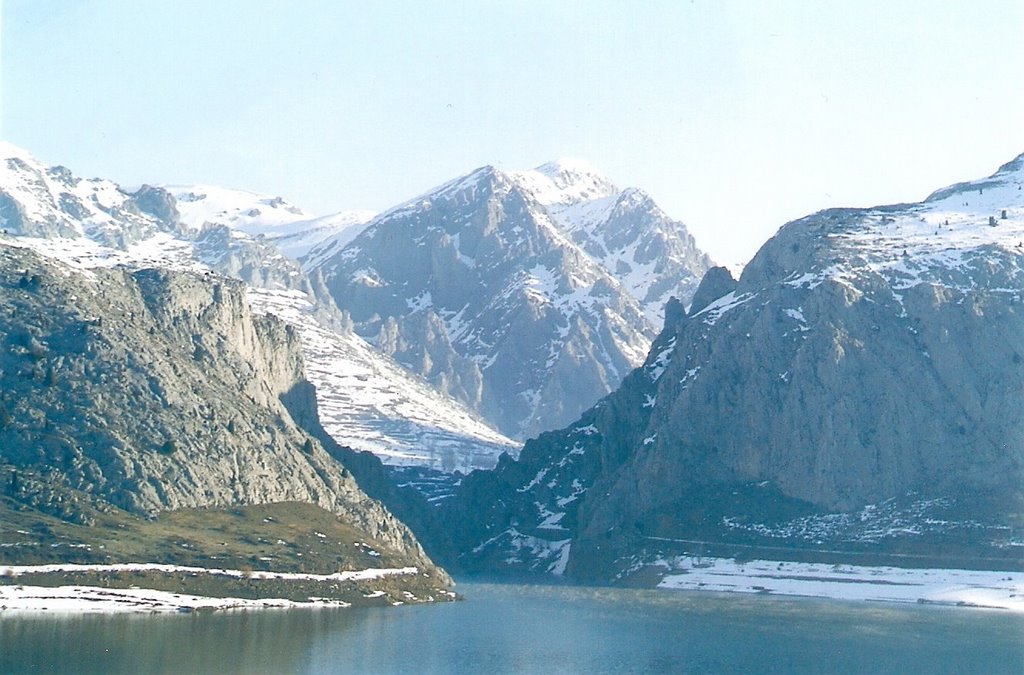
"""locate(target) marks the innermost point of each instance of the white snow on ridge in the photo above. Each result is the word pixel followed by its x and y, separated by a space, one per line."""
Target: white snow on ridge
pixel 294 230
pixel 564 182
pixel 951 231
pixel 239 209
pixel 82 254
pixel 40 192
pixel 716 309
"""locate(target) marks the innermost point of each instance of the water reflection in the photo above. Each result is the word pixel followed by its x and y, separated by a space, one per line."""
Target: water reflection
pixel 245 642
pixel 510 628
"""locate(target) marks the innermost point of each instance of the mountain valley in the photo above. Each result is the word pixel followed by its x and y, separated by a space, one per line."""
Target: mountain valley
pixel 853 395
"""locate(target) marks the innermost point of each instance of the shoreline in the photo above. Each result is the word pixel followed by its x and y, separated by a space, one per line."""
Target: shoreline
pixel 352 575
pixel 979 589
pixel 79 600
pixel 75 596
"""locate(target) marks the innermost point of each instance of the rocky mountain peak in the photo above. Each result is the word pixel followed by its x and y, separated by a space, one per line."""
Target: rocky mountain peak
pixel 484 272
pixel 484 180
pixel 538 277
pixel 564 182
pixel 717 282
pixel 567 171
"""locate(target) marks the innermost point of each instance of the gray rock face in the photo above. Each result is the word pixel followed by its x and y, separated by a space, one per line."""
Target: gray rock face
pixel 864 355
pixel 421 342
pixel 158 390
pixel 717 282
pixel 156 202
pixel 526 296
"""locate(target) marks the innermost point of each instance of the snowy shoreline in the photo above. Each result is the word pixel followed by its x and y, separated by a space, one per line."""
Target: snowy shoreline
pixel 79 599
pixel 949 587
pixel 96 600
pixel 356 575
pixel 945 587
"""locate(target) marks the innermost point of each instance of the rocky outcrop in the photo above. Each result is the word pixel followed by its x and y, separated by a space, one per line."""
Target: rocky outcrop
pixel 717 282
pixel 155 390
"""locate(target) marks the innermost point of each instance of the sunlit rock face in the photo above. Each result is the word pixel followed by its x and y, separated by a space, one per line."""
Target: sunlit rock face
pixel 154 390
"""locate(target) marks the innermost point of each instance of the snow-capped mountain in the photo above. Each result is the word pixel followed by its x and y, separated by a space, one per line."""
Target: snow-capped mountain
pixel 365 399
pixel 496 286
pixel 293 230
pixel 39 201
pixel 651 255
pixel 860 388
pixel 95 222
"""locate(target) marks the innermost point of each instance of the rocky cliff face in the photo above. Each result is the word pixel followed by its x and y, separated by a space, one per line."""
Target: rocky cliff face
pixel 865 357
pixel 155 390
pixel 525 295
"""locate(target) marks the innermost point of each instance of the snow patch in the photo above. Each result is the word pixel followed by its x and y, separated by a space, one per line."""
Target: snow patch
pixel 971 588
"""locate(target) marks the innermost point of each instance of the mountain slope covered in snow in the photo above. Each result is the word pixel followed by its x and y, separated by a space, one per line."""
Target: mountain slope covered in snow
pixel 373 404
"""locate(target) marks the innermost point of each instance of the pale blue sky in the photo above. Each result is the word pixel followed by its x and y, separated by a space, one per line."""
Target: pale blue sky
pixel 735 116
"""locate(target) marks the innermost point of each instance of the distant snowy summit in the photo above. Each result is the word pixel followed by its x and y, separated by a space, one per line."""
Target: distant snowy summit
pixel 292 229
pixel 527 295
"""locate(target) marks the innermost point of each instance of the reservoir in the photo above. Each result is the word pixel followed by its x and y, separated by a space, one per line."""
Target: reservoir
pixel 508 628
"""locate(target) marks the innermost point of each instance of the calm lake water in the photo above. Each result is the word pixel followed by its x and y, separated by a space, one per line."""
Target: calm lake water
pixel 504 628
